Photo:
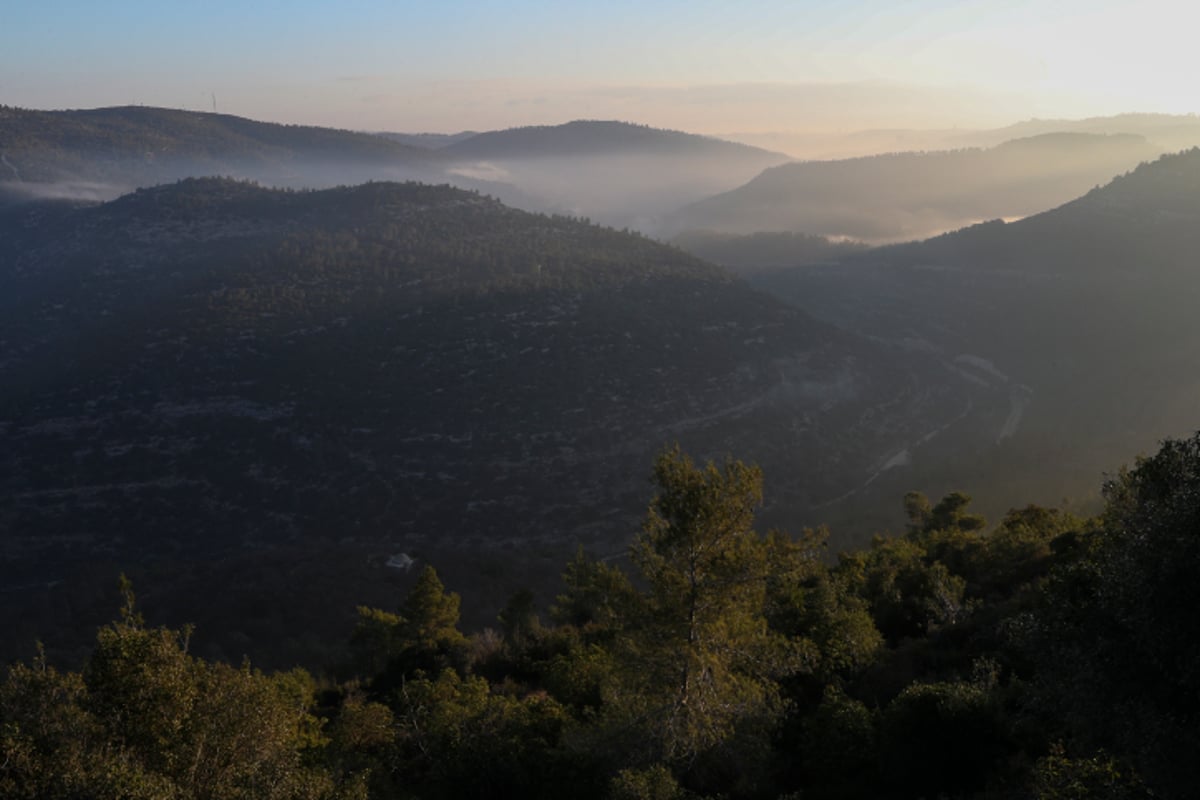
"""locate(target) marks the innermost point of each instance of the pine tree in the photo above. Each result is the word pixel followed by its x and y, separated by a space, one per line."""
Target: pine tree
pixel 701 659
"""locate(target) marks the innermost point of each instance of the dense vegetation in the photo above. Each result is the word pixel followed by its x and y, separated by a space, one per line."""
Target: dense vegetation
pixel 1045 657
pixel 211 379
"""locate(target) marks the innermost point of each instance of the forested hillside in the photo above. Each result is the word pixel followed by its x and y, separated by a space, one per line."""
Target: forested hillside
pixel 212 384
pixel 1047 656
pixel 270 406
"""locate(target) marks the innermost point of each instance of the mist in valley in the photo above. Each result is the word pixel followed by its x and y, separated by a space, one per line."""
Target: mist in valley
pixel 894 197
pixel 634 191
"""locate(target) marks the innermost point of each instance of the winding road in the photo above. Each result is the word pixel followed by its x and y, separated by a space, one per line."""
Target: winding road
pixel 4 160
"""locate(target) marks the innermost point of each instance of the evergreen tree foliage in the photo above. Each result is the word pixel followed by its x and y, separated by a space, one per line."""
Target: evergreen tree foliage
pixel 699 657
pixel 1049 658
pixel 424 636
pixel 596 598
pixel 147 720
pixel 1116 644
pixel 1099 777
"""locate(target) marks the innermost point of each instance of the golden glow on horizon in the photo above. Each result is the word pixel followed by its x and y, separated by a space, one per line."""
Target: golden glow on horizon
pixel 701 65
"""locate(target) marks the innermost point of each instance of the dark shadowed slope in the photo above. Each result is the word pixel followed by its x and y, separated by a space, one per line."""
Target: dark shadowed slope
pixel 213 379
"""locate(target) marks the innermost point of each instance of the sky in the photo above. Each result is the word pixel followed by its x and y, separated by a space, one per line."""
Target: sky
pixel 697 65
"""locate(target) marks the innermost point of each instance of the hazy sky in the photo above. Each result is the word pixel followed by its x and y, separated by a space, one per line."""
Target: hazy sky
pixel 744 65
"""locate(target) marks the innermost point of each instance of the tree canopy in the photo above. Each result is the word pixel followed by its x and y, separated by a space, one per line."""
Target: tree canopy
pixel 1047 657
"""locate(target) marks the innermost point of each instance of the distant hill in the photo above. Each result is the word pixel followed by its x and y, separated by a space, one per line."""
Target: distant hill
pixel 1141 225
pixel 616 173
pixel 249 399
pixel 832 145
pixel 905 195
pixel 1085 312
pixel 1170 132
pixel 584 138
pixel 432 141
pixel 138 146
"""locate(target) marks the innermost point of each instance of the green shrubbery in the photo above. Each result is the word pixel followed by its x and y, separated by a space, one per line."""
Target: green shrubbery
pixel 1047 658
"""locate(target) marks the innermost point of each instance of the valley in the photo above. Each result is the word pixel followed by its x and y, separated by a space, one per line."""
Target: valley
pixel 203 377
pixel 209 371
pixel 611 401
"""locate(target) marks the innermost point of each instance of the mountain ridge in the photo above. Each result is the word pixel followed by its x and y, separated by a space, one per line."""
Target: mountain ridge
pixel 145 135
pixel 99 154
pixel 585 137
